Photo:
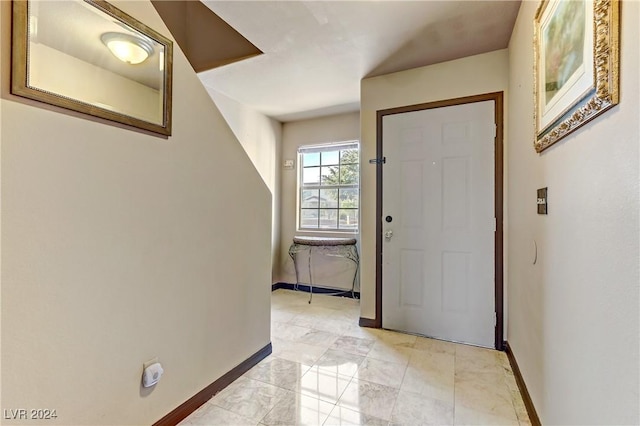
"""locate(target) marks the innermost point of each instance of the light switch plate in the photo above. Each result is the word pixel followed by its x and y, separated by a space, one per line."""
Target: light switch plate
pixel 289 164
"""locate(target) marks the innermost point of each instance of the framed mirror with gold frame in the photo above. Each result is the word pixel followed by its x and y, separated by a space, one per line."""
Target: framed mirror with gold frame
pixel 91 57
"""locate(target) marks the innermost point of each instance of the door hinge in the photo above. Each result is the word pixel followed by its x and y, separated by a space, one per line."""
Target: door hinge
pixel 495 319
pixel 382 160
pixel 495 224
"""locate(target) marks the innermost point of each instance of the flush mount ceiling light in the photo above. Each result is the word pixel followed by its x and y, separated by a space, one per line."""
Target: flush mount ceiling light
pixel 127 48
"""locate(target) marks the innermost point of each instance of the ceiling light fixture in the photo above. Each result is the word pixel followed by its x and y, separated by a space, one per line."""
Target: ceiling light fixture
pixel 127 48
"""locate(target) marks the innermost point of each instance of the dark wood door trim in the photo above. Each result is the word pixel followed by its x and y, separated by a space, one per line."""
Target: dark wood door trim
pixel 497 98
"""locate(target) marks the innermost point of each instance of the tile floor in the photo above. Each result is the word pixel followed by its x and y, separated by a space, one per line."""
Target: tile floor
pixel 326 370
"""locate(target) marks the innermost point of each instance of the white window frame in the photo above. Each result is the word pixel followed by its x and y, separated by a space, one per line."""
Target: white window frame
pixel 336 146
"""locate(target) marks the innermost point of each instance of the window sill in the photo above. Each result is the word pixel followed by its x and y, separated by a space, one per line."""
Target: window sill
pixel 326 232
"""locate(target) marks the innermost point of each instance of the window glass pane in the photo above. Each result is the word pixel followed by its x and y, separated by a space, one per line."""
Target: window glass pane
pixel 349 198
pixel 309 218
pixel 309 198
pixel 349 156
pixel 328 218
pixel 329 187
pixel 330 175
pixel 349 174
pixel 348 219
pixel 329 198
pixel 311 175
pixel 330 157
pixel 311 159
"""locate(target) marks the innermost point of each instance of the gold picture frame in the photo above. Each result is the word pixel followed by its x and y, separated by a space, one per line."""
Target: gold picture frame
pixel 576 71
pixel 70 54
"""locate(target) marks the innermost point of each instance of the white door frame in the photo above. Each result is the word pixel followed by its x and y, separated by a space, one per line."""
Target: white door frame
pixel 497 98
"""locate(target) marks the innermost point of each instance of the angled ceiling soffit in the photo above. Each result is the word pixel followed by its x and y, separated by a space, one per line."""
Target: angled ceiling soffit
pixel 207 41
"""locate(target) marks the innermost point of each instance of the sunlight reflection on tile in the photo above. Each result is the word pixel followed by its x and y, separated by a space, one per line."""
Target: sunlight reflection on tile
pixel 279 372
pixel 326 369
pixel 340 362
pixel 324 385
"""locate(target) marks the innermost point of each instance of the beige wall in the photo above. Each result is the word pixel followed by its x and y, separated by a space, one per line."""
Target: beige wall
pixel 118 247
pixel 464 77
pixel 336 128
pixel 3 75
pixel 574 314
pixel 261 138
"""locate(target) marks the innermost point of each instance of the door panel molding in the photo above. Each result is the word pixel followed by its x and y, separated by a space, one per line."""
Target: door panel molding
pixel 498 99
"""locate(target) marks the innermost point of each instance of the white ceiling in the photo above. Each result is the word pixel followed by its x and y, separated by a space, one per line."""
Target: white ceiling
pixel 316 52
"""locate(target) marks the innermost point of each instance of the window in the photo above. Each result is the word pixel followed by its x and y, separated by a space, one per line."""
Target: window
pixel 328 184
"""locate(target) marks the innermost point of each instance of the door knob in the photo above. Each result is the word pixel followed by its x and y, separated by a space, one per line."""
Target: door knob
pixel 388 234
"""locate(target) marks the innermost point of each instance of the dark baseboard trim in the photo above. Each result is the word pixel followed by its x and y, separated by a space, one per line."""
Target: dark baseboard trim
pixel 367 322
pixel 528 403
pixel 316 290
pixel 276 286
pixel 193 403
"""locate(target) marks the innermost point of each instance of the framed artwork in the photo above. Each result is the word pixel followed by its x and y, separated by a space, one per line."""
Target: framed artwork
pixel 91 57
pixel 576 44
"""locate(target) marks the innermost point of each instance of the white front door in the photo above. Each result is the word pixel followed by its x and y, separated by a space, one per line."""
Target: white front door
pixel 438 223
